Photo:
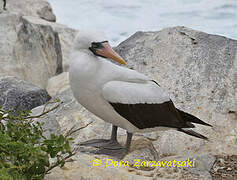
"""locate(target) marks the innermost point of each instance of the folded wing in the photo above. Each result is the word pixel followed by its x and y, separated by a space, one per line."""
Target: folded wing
pixel 145 105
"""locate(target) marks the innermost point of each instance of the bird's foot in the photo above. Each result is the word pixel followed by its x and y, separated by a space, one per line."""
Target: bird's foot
pixel 115 152
pixel 104 146
pixel 1 11
pixel 100 143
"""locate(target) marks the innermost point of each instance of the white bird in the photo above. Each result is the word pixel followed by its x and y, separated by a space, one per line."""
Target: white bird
pixel 121 96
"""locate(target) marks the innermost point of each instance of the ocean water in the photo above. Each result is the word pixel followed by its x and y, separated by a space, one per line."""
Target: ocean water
pixel 121 18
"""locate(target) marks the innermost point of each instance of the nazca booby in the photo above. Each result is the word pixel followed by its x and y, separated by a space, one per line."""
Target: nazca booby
pixel 121 96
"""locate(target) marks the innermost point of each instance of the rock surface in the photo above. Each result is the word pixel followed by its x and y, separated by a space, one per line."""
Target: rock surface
pixel 83 169
pixel 66 37
pixel 224 167
pixel 29 51
pixel 18 94
pixel 58 84
pixel 36 8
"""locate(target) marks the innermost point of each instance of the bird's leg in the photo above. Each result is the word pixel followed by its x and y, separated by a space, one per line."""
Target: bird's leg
pixel 4 4
pixel 114 133
pixel 129 140
pixel 103 142
pixel 110 146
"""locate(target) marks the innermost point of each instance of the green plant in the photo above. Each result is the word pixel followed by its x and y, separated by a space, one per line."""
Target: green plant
pixel 24 151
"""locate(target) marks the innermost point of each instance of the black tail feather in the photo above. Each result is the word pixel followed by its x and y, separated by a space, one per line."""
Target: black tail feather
pixel 192 133
pixel 190 118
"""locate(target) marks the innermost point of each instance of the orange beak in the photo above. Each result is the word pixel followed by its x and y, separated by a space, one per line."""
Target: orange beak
pixel 108 52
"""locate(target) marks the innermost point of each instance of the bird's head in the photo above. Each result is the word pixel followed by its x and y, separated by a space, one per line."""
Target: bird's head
pixel 96 43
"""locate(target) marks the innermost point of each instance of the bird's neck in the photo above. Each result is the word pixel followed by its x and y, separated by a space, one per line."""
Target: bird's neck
pixel 83 59
pixel 83 64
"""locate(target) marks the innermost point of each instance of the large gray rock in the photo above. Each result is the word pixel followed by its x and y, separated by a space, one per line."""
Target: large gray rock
pixel 18 94
pixel 29 51
pixel 36 8
pixel 66 37
pixel 199 71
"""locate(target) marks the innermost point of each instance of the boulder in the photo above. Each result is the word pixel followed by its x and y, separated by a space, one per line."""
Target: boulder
pixel 18 94
pixel 35 8
pixel 66 36
pixel 28 51
pixel 199 71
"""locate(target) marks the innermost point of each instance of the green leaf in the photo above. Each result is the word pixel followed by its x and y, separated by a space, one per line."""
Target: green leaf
pixel 24 151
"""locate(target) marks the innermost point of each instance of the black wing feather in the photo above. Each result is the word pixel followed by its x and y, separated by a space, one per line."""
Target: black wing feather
pixel 193 133
pixel 190 118
pixel 151 115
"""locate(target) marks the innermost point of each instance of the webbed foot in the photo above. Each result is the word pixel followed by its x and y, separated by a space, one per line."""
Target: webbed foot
pixel 109 147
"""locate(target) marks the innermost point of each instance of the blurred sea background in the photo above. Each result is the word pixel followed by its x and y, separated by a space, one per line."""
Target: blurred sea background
pixel 121 18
